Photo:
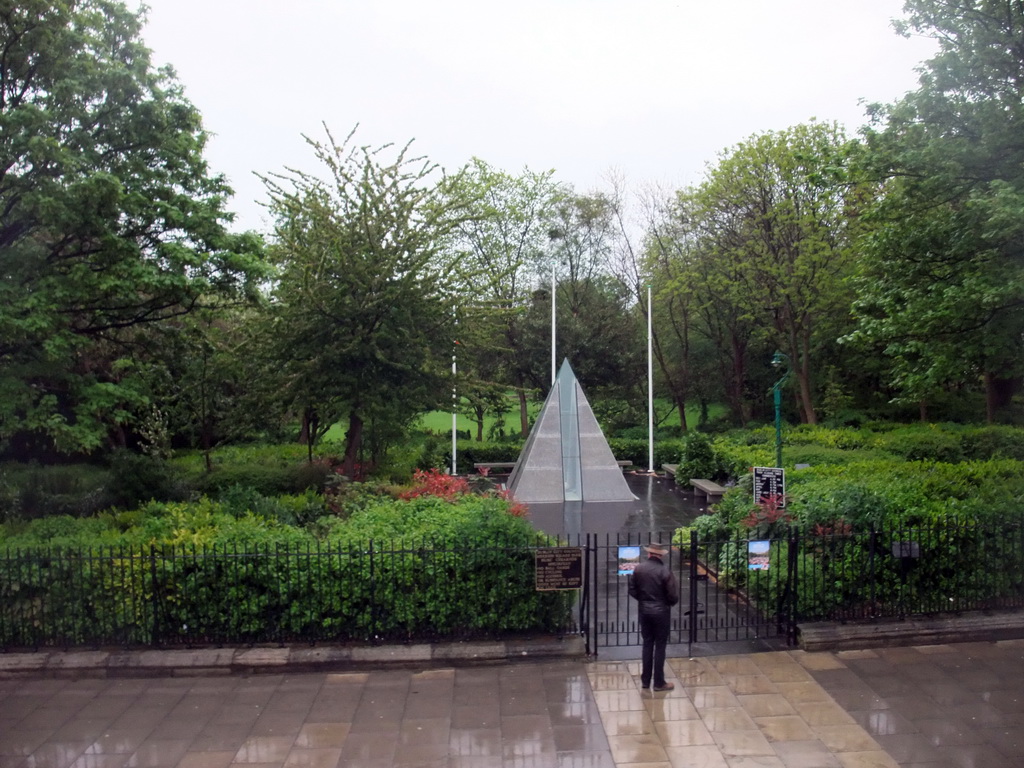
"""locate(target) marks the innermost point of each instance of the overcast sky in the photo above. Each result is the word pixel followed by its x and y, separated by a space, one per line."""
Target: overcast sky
pixel 651 90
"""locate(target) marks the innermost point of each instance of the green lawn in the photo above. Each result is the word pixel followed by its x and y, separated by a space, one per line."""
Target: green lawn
pixel 440 422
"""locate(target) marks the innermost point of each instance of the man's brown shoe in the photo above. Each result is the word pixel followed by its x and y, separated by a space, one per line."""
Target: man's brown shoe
pixel 665 687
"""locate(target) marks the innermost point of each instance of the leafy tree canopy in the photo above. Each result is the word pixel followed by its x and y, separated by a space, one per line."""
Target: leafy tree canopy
pixel 768 237
pixel 109 217
pixel 943 288
pixel 362 319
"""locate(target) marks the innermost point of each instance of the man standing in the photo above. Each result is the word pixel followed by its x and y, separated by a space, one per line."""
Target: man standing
pixel 654 586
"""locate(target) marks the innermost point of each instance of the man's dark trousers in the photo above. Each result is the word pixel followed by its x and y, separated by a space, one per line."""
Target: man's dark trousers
pixel 654 629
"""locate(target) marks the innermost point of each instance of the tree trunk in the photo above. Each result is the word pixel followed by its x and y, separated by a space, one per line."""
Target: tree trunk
pixel 800 357
pixel 806 402
pixel 314 430
pixel 207 442
pixel 681 405
pixel 999 393
pixel 737 403
pixel 308 431
pixel 677 385
pixel 353 440
pixel 479 412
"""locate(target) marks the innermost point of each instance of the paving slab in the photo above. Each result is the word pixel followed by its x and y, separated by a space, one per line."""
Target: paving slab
pixel 937 706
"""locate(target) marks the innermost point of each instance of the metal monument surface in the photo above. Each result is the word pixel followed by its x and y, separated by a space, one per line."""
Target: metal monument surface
pixel 566 458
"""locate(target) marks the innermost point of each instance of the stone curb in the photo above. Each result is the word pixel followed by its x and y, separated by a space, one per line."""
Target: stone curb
pixel 278 659
pixel 974 626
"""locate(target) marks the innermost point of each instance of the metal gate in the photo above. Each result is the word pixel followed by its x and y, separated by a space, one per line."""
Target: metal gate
pixel 729 591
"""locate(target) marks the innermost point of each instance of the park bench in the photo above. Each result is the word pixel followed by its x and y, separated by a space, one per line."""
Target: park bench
pixel 494 465
pixel 713 491
pixel 511 464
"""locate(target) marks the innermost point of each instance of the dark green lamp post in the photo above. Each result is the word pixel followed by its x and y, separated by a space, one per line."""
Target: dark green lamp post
pixel 779 361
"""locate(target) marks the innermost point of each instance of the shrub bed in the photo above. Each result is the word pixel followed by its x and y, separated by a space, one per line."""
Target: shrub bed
pixel 201 572
pixel 956 492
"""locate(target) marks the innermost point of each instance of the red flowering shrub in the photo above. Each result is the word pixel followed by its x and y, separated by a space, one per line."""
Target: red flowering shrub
pixel 763 517
pixel 434 482
pixel 515 508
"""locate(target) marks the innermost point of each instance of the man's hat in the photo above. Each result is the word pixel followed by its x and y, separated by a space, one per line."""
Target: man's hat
pixel 657 549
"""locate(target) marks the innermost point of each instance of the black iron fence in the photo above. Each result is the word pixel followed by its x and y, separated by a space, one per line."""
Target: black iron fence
pixel 762 588
pixel 382 591
pixel 839 575
pixel 715 604
pixel 405 592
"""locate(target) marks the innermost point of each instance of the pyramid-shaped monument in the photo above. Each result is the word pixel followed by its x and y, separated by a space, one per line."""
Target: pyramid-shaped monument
pixel 566 456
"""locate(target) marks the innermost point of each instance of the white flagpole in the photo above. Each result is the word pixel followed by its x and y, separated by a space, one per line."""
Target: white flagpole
pixel 552 323
pixel 455 403
pixel 650 388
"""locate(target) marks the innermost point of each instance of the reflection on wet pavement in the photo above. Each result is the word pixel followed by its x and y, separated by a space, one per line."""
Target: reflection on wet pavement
pixel 660 507
pixel 947 706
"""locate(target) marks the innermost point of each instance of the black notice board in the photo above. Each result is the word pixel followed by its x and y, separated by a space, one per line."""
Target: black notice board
pixel 559 568
pixel 768 482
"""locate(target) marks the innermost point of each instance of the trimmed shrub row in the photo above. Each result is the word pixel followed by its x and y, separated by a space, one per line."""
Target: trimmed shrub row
pixel 197 572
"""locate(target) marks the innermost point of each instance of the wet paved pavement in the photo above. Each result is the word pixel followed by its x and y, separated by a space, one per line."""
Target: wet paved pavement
pixel 925 707
pixel 660 507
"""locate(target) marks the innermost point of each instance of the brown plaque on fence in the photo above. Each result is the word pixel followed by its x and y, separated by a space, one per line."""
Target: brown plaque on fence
pixel 559 568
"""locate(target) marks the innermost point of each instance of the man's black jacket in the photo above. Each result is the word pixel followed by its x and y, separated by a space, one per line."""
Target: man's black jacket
pixel 654 586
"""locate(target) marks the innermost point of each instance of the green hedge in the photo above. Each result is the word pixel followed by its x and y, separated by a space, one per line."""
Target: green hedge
pixel 843 576
pixel 887 493
pixel 849 577
pixel 638 451
pixel 965 516
pixel 394 569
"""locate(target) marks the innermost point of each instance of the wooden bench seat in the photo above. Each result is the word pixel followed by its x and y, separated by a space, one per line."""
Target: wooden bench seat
pixel 670 469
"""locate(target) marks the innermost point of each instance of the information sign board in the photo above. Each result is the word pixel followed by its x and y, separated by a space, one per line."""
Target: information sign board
pixel 758 555
pixel 559 568
pixel 769 482
pixel 629 559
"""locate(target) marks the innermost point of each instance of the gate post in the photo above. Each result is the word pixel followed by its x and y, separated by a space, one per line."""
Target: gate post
pixel 585 598
pixel 693 593
pixel 373 599
pixel 155 642
pixel 792 586
pixel 594 594
pixel 872 544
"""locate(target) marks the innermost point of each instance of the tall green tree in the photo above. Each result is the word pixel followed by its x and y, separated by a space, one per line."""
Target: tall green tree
pixel 362 322
pixel 703 341
pixel 690 367
pixel 942 289
pixel 504 253
pixel 777 218
pixel 644 257
pixel 597 331
pixel 208 379
pixel 110 220
pixel 598 328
